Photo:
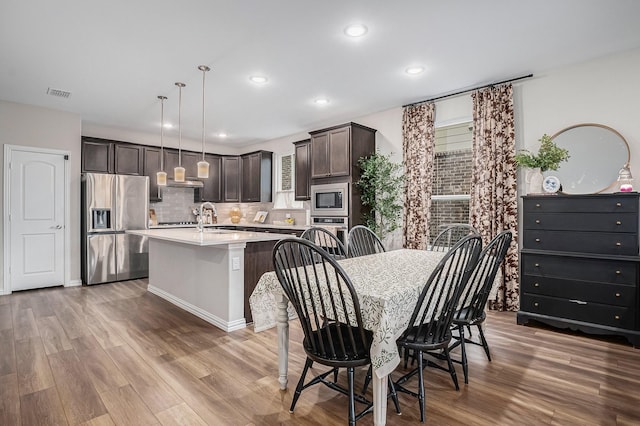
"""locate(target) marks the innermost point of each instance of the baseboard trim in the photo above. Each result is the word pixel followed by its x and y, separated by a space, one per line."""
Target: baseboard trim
pixel 74 283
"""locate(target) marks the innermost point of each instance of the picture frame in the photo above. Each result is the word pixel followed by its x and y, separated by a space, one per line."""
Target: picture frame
pixel 261 216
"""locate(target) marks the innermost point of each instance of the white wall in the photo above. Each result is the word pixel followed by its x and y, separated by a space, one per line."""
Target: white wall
pixel 45 128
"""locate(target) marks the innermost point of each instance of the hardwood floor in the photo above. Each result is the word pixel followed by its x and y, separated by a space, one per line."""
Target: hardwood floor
pixel 115 354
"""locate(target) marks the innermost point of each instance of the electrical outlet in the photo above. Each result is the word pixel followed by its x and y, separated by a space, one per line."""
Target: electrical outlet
pixel 235 264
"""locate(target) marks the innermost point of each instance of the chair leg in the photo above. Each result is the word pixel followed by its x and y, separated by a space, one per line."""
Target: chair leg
pixel 367 379
pixel 352 408
pixel 452 370
pixel 463 349
pixel 394 395
pixel 485 345
pixel 421 386
pixel 296 395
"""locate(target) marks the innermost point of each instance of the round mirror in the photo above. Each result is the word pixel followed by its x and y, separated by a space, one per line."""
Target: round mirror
pixel 597 153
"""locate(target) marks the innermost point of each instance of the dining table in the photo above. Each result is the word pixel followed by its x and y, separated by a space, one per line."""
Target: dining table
pixel 387 284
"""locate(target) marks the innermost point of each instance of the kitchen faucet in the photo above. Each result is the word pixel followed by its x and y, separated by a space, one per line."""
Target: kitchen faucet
pixel 200 225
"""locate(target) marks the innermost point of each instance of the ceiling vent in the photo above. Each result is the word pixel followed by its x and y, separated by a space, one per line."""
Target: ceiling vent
pixel 59 93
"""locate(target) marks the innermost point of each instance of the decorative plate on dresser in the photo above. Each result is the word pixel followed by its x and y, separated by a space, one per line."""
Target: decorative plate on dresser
pixel 580 263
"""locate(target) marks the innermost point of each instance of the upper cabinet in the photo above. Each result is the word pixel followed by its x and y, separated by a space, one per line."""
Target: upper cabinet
pixel 97 155
pixel 151 167
pixel 188 160
pixel 302 170
pixel 128 159
pixel 256 177
pixel 231 179
pixel 335 151
pixel 212 190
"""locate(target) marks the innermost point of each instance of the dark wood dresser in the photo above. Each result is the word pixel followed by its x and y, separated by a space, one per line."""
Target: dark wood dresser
pixel 580 263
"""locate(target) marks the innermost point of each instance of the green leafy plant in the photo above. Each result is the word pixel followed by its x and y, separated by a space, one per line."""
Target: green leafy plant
pixel 549 156
pixel 380 185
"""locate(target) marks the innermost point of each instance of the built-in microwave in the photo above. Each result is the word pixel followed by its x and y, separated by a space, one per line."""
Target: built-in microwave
pixel 331 199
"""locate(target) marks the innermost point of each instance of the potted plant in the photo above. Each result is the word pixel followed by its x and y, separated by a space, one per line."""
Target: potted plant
pixel 549 157
pixel 380 184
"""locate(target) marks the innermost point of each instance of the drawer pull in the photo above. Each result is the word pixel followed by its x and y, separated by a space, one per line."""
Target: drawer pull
pixel 537 204
pixel 537 265
pixel 538 221
pixel 618 222
pixel 618 244
pixel 579 302
pixel 618 204
pixel 536 284
pixel 617 294
pixel 618 272
pixel 538 240
pixel 617 317
pixel 535 304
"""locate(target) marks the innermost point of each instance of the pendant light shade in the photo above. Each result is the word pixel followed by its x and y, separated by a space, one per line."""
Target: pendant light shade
pixel 161 176
pixel 203 166
pixel 178 172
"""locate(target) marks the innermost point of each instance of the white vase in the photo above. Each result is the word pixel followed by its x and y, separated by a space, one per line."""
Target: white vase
pixel 533 179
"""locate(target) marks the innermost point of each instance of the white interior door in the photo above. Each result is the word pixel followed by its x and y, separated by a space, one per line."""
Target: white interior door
pixel 37 206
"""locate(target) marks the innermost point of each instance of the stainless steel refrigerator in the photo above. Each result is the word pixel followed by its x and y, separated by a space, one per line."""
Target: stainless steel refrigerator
pixel 111 205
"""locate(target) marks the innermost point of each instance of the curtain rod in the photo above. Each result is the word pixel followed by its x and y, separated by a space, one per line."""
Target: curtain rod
pixel 468 90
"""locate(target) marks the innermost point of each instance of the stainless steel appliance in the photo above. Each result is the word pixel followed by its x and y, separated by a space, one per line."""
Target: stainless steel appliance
pixel 111 205
pixel 336 225
pixel 331 199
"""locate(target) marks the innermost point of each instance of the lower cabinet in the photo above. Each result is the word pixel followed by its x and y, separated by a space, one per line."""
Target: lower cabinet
pixel 586 275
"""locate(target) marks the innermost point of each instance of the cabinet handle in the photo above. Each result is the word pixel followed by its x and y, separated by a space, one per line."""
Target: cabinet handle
pixel 537 205
pixel 618 222
pixel 535 304
pixel 617 317
pixel 618 204
pixel 617 294
pixel 537 265
pixel 537 240
pixel 538 221
pixel 618 272
pixel 536 285
pixel 618 244
pixel 579 302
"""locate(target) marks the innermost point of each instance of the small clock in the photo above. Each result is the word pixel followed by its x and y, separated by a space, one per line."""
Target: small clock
pixel 551 184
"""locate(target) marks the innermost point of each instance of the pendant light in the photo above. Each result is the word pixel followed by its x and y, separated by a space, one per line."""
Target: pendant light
pixel 161 176
pixel 203 166
pixel 178 172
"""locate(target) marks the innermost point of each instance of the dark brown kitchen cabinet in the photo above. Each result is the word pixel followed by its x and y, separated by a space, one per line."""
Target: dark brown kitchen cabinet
pixel 256 177
pixel 97 155
pixel 302 170
pixel 335 151
pixel 212 190
pixel 188 159
pixel 580 263
pixel 151 167
pixel 128 159
pixel 231 179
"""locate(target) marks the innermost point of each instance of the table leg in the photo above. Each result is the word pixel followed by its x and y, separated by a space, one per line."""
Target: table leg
pixel 379 400
pixel 282 321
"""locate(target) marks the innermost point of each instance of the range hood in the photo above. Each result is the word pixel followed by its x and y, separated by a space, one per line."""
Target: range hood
pixel 189 183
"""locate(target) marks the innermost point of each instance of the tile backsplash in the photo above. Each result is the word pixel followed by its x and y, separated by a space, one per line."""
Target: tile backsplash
pixel 177 205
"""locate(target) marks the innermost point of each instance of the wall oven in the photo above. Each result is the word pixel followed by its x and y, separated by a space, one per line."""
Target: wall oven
pixel 331 199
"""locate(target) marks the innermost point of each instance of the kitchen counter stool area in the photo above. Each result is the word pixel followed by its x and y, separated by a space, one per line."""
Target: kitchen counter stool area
pixel 211 273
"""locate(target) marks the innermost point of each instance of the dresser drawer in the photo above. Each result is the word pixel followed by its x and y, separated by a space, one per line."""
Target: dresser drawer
pixel 582 242
pixel 598 222
pixel 614 316
pixel 575 204
pixel 580 269
pixel 609 294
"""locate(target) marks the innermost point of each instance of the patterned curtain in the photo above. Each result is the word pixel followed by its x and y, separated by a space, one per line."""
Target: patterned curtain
pixel 418 136
pixel 494 204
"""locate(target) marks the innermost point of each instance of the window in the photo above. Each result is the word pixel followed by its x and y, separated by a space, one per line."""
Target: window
pixel 451 176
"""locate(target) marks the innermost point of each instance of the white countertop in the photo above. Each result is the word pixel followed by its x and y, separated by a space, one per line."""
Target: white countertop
pixel 210 236
pixel 240 225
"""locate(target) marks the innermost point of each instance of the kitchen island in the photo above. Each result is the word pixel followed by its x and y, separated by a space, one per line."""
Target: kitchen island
pixel 210 274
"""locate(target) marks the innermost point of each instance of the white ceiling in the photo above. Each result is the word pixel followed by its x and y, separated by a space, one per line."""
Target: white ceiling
pixel 116 56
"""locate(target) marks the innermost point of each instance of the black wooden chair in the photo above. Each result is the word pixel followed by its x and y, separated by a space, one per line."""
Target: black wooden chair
pixel 471 306
pixel 451 233
pixel 329 312
pixel 362 241
pixel 326 241
pixel 429 328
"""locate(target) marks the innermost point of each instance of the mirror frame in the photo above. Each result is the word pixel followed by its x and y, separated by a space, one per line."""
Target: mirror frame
pixel 612 184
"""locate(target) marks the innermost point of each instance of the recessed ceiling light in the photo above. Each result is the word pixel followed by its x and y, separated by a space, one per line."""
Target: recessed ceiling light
pixel 321 101
pixel 414 70
pixel 355 30
pixel 222 135
pixel 259 79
